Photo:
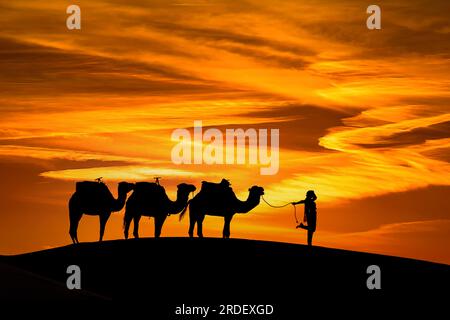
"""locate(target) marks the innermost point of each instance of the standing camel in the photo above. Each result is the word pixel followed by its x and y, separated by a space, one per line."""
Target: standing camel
pixel 218 199
pixel 95 199
pixel 150 199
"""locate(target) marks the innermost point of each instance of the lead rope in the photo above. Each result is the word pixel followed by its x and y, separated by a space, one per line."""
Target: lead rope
pixel 277 207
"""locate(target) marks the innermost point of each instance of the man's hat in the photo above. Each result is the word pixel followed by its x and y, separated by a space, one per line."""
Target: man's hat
pixel 311 194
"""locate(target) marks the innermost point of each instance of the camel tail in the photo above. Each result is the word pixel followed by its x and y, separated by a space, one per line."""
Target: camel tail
pixel 184 210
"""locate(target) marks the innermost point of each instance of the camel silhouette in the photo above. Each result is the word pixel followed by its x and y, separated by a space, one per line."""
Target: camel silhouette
pixel 150 199
pixel 95 199
pixel 218 199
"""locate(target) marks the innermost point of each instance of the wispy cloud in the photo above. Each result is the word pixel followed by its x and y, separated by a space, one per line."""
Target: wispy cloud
pixel 133 173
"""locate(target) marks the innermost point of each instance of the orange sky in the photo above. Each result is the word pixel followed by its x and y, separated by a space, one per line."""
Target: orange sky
pixel 364 116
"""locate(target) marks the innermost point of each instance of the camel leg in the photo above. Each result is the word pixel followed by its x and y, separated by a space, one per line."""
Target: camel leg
pixel 75 217
pixel 310 237
pixel 191 226
pixel 200 226
pixel 136 219
pixel 126 222
pixel 103 219
pixel 226 226
pixel 159 221
pixel 192 220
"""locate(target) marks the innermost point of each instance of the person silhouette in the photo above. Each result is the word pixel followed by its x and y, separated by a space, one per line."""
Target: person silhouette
pixel 310 216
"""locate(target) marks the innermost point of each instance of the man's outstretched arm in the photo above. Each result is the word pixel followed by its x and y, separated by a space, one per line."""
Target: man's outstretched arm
pixel 298 202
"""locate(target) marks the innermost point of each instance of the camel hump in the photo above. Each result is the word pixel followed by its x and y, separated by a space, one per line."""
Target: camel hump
pixel 151 191
pixel 91 187
pixel 149 187
pixel 223 185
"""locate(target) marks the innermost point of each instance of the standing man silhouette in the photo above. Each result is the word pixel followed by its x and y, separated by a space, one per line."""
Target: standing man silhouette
pixel 310 216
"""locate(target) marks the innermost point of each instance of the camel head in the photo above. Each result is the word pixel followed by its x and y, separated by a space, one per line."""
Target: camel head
pixel 252 201
pixel 125 187
pixel 186 188
pixel 257 191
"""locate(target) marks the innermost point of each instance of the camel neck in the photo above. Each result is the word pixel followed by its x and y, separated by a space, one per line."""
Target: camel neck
pixel 247 205
pixel 120 201
pixel 179 203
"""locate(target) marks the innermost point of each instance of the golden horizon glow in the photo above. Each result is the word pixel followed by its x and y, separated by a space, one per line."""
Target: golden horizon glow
pixel 363 115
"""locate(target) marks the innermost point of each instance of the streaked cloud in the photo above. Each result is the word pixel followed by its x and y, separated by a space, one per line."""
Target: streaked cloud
pixel 132 173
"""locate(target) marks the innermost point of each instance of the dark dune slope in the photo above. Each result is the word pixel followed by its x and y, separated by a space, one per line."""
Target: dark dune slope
pixel 167 272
